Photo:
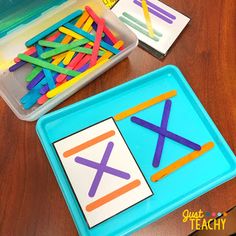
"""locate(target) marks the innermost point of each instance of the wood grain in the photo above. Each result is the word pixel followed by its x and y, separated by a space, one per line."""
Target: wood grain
pixel 30 200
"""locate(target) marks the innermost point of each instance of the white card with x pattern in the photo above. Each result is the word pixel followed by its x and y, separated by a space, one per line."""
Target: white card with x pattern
pixel 102 171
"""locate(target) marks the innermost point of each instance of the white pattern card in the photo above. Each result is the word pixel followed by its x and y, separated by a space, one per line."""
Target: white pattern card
pixel 102 171
pixel 167 23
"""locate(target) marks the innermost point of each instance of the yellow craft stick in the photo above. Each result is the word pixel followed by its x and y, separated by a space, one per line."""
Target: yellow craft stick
pixel 108 54
pixel 145 105
pixel 181 162
pixel 87 27
pixel 52 93
pixel 147 18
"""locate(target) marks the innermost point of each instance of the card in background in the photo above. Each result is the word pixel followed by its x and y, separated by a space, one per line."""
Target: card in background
pixel 167 23
pixel 121 183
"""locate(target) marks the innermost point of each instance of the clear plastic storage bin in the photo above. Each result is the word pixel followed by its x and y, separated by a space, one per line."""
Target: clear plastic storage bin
pixel 13 84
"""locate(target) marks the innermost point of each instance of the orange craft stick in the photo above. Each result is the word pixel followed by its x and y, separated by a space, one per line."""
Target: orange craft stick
pixel 96 46
pixel 145 105
pixel 111 196
pixel 181 162
pixel 89 143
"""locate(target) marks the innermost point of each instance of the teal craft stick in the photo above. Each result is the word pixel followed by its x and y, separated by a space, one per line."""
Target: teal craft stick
pixel 138 22
pixel 47 65
pixel 53 28
pixel 91 38
pixel 136 27
pixel 63 48
pixel 47 73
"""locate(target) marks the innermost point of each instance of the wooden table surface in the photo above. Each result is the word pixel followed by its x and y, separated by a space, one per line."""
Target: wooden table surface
pixel 30 200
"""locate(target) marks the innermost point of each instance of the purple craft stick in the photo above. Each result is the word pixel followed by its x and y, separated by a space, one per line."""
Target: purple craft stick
pixel 166 133
pixel 45 88
pixel 35 80
pixel 155 12
pixel 20 63
pixel 161 10
pixel 107 169
pixel 101 168
pixel 161 138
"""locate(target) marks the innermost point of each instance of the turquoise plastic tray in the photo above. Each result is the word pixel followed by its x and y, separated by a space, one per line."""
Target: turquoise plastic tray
pixel 187 118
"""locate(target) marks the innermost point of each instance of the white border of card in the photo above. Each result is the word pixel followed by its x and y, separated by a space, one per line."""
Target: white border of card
pixel 102 171
pixel 167 23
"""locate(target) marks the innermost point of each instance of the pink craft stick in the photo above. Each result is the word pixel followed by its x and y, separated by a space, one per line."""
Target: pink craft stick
pixel 60 78
pixel 96 46
pixel 97 19
pixel 42 99
pixel 84 61
pixel 32 50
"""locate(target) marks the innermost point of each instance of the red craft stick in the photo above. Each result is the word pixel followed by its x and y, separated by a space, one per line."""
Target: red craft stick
pixel 96 46
pixel 97 19
pixel 84 61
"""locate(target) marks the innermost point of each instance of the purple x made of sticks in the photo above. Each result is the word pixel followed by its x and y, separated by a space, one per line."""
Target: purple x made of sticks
pixel 101 168
pixel 164 133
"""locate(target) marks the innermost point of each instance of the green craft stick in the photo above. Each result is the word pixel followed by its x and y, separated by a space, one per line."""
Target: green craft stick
pixel 136 27
pixel 47 65
pixel 33 73
pixel 49 44
pixel 137 21
pixel 87 50
pixel 63 48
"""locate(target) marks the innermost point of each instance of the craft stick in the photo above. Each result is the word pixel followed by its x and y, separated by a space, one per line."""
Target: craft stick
pixel 136 27
pixel 145 105
pixel 109 54
pixel 91 38
pixel 69 56
pixel 47 65
pixel 46 43
pixel 96 19
pixel 37 79
pixel 20 64
pixel 166 133
pixel 181 162
pixel 47 73
pixel 34 96
pixel 105 38
pixel 29 52
pixel 42 100
pixel 72 65
pixel 137 21
pixel 89 143
pixel 33 73
pixel 161 138
pixel 73 81
pixel 97 42
pixel 63 48
pixel 53 28
pixel 147 18
pixel 87 51
pixel 113 195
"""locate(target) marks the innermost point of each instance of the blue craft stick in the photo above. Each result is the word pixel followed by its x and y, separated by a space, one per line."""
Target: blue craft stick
pixel 91 38
pixel 47 73
pixel 20 63
pixel 53 28
pixel 33 99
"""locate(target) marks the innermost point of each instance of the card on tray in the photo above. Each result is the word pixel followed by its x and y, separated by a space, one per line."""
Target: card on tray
pixel 167 23
pixel 102 171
